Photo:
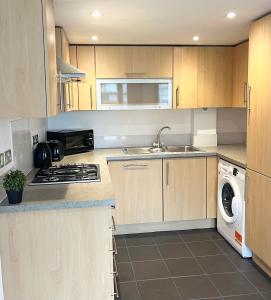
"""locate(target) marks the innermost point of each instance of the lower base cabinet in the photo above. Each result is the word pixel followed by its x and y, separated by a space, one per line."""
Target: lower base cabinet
pixel 57 254
pixel 138 188
pixel 184 185
pixel 258 216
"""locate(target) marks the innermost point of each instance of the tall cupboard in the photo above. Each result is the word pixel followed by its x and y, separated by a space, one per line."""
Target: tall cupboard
pixel 259 141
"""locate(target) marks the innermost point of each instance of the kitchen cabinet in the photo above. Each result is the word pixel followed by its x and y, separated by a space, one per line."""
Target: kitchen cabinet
pixel 184 188
pixel 74 85
pixel 185 77
pixel 133 62
pixel 62 44
pixel 258 215
pixel 259 105
pixel 138 188
pixel 240 75
pixel 57 254
pixel 212 170
pixel 214 77
pixel 84 93
pixel 28 84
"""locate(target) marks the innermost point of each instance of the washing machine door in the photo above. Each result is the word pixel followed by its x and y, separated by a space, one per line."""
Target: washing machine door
pixel 229 201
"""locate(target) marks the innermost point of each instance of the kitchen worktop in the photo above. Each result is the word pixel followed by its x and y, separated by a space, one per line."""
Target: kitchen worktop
pixel 73 195
pixel 78 195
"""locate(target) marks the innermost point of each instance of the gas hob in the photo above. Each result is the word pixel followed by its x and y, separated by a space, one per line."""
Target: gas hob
pixel 70 173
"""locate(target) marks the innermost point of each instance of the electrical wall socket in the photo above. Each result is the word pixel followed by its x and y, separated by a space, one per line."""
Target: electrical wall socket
pixel 35 139
pixel 8 157
pixel 2 160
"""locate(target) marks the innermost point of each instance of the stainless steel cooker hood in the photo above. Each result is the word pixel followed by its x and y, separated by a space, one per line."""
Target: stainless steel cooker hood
pixel 67 72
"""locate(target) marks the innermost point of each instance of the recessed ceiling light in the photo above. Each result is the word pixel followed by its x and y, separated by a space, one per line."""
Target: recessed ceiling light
pixel 94 38
pixel 195 38
pixel 96 13
pixel 231 15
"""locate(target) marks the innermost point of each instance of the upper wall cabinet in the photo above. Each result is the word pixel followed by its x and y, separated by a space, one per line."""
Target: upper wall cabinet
pixel 83 57
pixel 62 44
pixel 215 77
pixel 240 74
pixel 133 62
pixel 28 82
pixel 185 73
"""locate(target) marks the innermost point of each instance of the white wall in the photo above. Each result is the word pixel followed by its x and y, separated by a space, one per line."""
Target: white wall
pixel 231 125
pixel 128 128
pixel 17 135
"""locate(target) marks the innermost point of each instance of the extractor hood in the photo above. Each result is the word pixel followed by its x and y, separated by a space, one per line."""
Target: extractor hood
pixel 67 72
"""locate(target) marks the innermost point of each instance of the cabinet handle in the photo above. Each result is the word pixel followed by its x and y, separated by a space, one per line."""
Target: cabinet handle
pixel 249 93
pixel 90 96
pixel 116 290
pixel 245 93
pixel 177 97
pixel 135 74
pixel 167 173
pixel 135 166
pixel 114 245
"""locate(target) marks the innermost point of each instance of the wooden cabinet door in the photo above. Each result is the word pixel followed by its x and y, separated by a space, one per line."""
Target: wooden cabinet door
pixel 240 75
pixel 113 61
pixel 185 77
pixel 23 78
pixel 184 189
pixel 133 62
pixel 138 188
pixel 212 170
pixel 86 89
pixel 258 215
pixel 259 104
pixel 215 77
pixel 151 62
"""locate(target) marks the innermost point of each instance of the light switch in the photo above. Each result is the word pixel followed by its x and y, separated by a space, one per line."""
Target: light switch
pixel 8 157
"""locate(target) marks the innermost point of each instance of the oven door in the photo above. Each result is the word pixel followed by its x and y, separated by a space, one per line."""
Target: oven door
pixel 126 94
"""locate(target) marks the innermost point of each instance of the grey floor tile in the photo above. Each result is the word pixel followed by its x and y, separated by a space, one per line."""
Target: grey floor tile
pixel 216 264
pixel 174 250
pixel 125 272
pixel 213 234
pixel 245 297
pixel 161 289
pixel 262 283
pixel 224 246
pixel 144 253
pixel 122 255
pixel 242 264
pixel 128 291
pixel 140 239
pixel 120 240
pixel 232 284
pixel 194 235
pixel 167 237
pixel 183 267
pixel 267 296
pixel 195 287
pixel 150 270
pixel 204 248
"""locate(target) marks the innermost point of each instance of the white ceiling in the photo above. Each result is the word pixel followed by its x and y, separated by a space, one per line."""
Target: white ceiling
pixel 158 21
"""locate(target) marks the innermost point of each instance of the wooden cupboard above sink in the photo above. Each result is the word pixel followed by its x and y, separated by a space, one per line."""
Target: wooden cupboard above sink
pixel 133 62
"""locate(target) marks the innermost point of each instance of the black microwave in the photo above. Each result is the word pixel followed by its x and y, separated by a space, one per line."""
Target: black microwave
pixel 74 141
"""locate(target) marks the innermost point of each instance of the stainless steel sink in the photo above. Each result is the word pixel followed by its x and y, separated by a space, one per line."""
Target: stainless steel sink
pixel 168 149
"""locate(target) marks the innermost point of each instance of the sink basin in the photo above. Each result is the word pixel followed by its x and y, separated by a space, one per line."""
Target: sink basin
pixel 168 149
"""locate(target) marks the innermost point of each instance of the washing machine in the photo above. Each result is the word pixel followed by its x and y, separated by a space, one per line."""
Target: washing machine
pixel 231 206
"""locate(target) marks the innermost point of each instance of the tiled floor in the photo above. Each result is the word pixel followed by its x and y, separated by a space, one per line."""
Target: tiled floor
pixel 182 265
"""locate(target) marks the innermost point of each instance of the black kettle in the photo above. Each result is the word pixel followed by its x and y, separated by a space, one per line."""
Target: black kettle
pixel 42 156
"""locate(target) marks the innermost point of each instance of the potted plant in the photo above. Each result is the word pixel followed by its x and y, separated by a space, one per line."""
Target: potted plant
pixel 14 183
